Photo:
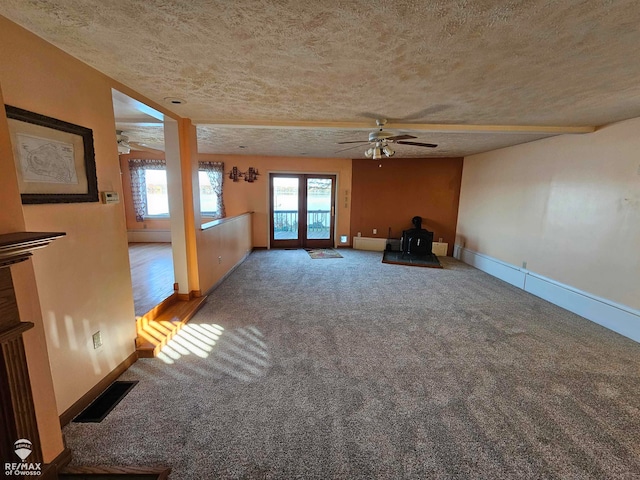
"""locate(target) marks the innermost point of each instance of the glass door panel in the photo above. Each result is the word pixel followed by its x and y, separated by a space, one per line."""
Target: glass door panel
pixel 319 208
pixel 285 201
pixel 302 210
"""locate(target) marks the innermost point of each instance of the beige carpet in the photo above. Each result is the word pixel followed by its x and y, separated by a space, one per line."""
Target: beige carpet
pixel 355 369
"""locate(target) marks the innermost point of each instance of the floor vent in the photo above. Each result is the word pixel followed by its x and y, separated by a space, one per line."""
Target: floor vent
pixel 107 401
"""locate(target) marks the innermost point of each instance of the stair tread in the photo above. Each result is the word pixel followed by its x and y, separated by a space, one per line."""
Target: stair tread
pixel 107 473
pixel 154 334
pixel 104 469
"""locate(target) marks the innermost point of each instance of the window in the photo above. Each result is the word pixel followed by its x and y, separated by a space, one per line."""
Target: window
pixel 149 188
pixel 157 197
pixel 211 176
pixel 208 198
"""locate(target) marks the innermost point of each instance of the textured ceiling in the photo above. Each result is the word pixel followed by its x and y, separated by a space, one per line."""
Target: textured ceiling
pixel 283 64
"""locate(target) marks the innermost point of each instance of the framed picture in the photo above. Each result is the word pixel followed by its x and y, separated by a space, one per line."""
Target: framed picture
pixel 55 160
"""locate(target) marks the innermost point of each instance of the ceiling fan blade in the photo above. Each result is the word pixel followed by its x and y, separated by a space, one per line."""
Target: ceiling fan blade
pixel 357 141
pixel 437 108
pixel 345 149
pixel 375 116
pixel 144 148
pixel 400 137
pixel 418 144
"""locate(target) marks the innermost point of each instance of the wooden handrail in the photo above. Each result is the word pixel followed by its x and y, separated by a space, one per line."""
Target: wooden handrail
pixel 220 221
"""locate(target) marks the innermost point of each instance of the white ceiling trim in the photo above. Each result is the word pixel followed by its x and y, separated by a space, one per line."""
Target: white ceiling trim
pixel 417 127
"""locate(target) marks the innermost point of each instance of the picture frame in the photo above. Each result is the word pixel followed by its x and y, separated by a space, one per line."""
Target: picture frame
pixel 55 160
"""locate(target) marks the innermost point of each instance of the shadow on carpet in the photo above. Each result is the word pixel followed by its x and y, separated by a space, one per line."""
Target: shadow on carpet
pixel 398 258
pixel 323 253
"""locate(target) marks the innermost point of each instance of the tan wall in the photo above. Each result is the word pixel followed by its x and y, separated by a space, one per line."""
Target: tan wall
pixel 26 289
pixel 221 247
pixel 391 195
pixel 83 278
pixel 569 206
pixel 241 197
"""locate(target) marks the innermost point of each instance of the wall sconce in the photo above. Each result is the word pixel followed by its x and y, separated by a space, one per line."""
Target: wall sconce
pixel 249 176
pixel 235 174
pixel 252 175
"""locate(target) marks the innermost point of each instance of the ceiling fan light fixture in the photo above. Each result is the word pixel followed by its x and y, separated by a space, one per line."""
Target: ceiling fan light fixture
pixel 377 153
pixel 123 142
pixel 388 151
pixel 368 153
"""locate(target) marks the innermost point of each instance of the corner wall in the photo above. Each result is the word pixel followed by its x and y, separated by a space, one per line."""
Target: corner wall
pixel 27 299
pixel 568 206
pixel 390 196
pixel 83 279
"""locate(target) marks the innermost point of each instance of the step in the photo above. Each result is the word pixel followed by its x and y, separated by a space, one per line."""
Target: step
pixel 115 473
pixel 154 334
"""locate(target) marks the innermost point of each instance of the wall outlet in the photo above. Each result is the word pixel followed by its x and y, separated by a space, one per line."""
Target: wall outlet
pixel 359 234
pixel 375 231
pixel 219 259
pixel 97 340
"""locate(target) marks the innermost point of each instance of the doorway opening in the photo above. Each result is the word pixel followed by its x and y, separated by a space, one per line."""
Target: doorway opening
pixel 302 210
pixel 150 172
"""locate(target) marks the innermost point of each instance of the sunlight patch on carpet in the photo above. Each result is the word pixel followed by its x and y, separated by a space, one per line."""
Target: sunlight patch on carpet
pixel 240 353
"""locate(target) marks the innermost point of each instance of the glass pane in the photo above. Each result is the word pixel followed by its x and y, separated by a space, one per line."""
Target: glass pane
pixel 208 198
pixel 319 208
pixel 157 198
pixel 285 208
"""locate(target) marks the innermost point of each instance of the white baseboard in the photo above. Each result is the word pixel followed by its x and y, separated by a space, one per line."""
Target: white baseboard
pixel 492 266
pixel 369 243
pixel 614 316
pixel 149 236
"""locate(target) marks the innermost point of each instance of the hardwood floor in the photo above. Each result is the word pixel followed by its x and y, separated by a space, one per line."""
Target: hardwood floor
pixel 151 274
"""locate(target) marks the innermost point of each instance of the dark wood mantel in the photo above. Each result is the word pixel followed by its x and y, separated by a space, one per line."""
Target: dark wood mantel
pixel 17 414
pixel 17 246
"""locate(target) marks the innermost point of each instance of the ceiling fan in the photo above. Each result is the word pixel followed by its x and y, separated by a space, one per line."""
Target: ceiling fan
pixel 125 145
pixel 380 141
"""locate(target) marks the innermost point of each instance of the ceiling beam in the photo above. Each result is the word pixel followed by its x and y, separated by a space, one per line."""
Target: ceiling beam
pixel 418 127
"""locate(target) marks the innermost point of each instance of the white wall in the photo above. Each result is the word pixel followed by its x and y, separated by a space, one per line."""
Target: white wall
pixel 569 206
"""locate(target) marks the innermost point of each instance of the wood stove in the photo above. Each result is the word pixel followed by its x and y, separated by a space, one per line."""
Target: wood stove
pixel 417 241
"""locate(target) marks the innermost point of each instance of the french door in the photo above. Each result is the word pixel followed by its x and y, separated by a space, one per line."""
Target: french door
pixel 302 210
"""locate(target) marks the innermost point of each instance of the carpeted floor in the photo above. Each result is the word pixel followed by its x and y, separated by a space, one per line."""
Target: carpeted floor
pixel 356 369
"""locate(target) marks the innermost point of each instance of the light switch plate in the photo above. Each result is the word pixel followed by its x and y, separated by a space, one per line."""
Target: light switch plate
pixel 97 340
pixel 110 197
